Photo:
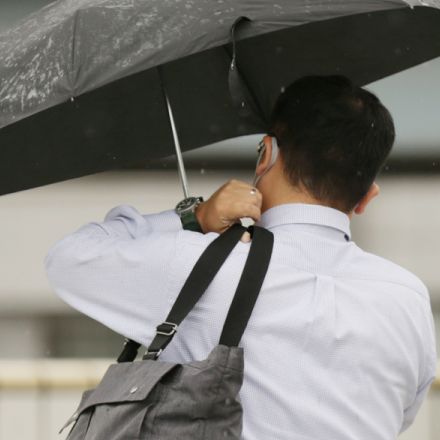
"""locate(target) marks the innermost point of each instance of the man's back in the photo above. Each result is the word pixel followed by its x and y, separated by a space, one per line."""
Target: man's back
pixel 339 346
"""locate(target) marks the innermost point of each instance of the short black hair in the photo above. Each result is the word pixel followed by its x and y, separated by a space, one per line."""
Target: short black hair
pixel 334 138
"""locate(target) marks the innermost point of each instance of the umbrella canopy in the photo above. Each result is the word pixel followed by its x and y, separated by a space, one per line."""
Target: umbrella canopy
pixel 83 82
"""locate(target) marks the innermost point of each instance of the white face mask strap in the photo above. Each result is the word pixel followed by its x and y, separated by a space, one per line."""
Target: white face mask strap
pixel 272 160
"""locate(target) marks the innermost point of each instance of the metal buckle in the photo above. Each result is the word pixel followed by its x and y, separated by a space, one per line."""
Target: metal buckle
pixel 155 354
pixel 167 333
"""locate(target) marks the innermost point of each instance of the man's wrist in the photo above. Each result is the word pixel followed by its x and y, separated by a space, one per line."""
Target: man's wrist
pixel 185 209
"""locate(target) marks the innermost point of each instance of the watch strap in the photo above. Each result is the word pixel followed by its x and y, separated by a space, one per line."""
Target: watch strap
pixel 190 222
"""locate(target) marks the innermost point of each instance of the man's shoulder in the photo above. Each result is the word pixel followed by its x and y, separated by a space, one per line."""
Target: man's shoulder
pixel 378 268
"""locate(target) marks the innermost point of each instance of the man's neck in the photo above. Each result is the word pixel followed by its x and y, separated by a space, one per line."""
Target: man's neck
pixel 270 201
pixel 285 193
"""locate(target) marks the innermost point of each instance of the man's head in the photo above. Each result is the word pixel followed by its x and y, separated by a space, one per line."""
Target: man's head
pixel 333 138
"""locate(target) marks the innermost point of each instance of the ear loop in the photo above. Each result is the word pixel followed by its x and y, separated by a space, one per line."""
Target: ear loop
pixel 273 159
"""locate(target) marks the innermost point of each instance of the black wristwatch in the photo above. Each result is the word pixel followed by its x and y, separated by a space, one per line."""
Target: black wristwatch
pixel 186 211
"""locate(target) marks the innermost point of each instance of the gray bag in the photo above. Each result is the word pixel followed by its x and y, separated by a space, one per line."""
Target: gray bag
pixel 151 399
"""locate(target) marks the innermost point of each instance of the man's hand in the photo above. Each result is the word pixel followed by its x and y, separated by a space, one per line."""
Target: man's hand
pixel 232 201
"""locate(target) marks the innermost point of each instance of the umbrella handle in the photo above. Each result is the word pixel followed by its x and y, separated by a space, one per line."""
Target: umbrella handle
pixel 241 95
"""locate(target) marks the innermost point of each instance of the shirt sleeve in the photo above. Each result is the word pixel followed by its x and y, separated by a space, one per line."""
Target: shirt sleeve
pixel 429 367
pixel 117 271
pixel 125 221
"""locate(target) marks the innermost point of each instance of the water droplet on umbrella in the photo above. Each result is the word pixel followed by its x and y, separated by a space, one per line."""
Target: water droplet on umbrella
pixel 409 3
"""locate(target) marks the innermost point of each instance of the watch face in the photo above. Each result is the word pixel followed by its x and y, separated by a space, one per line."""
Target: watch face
pixel 186 204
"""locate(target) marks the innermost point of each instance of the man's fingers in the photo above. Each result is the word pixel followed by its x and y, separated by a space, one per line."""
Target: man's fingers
pixel 243 190
pixel 258 199
pixel 250 210
pixel 234 200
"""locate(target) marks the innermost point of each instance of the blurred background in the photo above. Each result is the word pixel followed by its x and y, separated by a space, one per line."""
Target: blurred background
pixel 49 353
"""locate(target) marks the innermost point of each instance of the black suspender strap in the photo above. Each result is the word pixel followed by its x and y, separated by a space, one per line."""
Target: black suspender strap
pixel 249 287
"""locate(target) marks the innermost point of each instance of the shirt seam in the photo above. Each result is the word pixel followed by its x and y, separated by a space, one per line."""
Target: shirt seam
pixel 339 276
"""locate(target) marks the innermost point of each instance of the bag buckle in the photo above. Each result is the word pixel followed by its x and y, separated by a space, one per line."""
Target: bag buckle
pixel 152 355
pixel 166 329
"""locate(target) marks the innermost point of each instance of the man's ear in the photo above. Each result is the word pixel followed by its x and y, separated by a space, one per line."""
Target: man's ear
pixel 371 194
pixel 267 155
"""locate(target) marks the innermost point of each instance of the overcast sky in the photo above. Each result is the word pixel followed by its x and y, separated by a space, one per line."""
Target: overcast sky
pixel 413 96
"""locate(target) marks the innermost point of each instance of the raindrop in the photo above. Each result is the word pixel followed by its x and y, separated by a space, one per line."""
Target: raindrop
pixel 202 171
pixel 372 125
pixel 434 164
pixel 72 99
pixel 283 89
pixel 243 103
pixel 387 168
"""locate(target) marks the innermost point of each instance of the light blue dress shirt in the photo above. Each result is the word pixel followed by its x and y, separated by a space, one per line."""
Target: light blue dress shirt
pixel 340 345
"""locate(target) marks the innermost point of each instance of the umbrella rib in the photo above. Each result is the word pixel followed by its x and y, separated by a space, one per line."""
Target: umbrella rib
pixel 73 72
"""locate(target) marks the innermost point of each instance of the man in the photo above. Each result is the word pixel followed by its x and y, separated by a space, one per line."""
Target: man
pixel 340 344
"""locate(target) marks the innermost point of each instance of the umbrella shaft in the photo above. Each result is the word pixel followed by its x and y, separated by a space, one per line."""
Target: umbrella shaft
pixel 180 163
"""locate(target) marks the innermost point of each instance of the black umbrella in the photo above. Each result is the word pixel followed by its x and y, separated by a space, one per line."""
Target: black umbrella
pixel 84 83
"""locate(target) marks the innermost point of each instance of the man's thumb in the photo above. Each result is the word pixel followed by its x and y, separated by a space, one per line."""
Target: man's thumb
pixel 246 237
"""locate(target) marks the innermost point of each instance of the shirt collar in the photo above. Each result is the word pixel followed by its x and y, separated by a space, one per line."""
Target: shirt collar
pixel 302 213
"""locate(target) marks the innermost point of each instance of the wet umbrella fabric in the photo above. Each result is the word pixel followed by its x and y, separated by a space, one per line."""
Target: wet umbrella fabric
pixel 83 82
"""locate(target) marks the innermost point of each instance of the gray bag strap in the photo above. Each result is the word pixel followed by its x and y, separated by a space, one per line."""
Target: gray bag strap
pixel 249 286
pixel 195 286
pixel 198 281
